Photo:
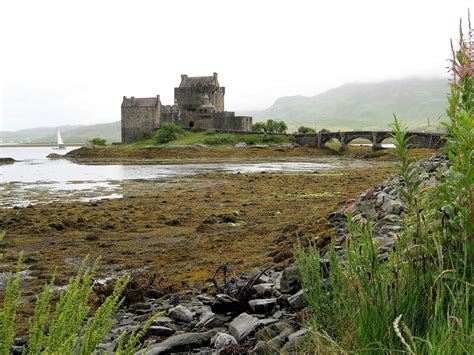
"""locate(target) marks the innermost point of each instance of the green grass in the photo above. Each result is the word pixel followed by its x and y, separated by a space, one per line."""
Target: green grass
pixel 217 139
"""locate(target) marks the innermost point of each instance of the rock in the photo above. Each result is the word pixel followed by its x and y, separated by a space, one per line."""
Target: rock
pixel 163 320
pixel 290 280
pixel 16 350
pixel 181 313
pixel 222 340
pixel 393 207
pixel 4 161
pixel 381 198
pixel 264 289
pixel 262 306
pixel 279 340
pixel 218 320
pixel 368 210
pixel 278 314
pixel 295 341
pixel 206 315
pixel 259 349
pixel 143 306
pixel 271 331
pixel 388 219
pixel 242 326
pixel 106 347
pixel 241 145
pixel 158 330
pixel 224 303
pixel 180 343
pixel 297 301
pixel 267 321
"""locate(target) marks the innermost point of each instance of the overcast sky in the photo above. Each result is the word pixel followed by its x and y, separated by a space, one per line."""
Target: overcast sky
pixel 70 62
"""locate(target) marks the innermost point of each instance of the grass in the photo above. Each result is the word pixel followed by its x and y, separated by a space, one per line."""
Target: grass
pixel 421 298
pixel 217 139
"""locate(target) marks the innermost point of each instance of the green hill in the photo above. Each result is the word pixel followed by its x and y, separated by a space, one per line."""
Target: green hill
pixel 70 134
pixel 364 105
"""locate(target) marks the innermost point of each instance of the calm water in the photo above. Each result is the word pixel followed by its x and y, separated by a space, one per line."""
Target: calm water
pixel 33 167
pixel 36 179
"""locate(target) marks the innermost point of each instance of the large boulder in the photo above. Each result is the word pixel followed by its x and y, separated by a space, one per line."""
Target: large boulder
pixel 272 331
pixel 297 301
pixel 222 340
pixel 181 313
pixel 295 341
pixel 180 343
pixel 392 207
pixel 242 326
pixel 262 306
pixel 4 161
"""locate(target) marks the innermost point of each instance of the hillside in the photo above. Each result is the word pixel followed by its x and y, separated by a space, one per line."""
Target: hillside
pixel 364 105
pixel 70 134
pixel 351 106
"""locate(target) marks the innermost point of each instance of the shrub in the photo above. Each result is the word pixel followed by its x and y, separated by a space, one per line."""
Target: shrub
pixel 168 132
pixel 306 130
pixel 68 329
pixel 98 141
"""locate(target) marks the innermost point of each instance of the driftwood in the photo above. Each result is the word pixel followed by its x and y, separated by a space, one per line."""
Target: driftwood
pixel 230 286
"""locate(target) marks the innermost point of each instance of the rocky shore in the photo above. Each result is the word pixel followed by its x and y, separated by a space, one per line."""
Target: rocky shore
pixel 383 205
pixel 260 312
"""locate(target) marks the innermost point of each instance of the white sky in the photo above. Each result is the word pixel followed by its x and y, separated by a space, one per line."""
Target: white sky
pixel 70 62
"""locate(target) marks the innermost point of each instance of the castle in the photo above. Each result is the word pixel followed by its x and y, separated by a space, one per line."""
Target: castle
pixel 198 103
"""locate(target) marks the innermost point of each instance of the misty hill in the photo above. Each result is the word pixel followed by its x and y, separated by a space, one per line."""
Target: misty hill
pixel 364 105
pixel 70 134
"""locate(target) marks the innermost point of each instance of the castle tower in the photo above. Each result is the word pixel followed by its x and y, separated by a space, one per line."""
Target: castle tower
pixel 192 90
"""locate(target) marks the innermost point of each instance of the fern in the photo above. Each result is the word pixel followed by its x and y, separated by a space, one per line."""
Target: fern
pixel 37 323
pixel 98 327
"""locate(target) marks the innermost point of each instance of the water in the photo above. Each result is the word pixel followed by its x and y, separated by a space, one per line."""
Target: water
pixel 34 178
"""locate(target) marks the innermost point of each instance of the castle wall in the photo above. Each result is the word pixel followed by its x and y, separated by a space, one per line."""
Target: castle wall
pixel 227 121
pixel 137 122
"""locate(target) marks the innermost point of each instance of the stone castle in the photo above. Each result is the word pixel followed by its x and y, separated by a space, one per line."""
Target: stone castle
pixel 198 103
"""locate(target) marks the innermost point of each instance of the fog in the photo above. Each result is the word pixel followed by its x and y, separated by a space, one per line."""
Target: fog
pixel 71 63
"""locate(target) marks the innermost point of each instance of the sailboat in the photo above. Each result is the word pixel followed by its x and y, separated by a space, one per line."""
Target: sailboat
pixel 59 141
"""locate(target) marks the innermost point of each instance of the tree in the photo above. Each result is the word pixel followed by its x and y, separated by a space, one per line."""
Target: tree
pixel 281 127
pixel 97 141
pixel 306 130
pixel 168 132
pixel 258 127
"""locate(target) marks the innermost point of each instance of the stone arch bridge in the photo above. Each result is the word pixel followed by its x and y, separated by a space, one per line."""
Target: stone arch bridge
pixel 416 139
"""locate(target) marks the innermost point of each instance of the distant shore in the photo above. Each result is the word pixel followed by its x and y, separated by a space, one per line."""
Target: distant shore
pixel 23 145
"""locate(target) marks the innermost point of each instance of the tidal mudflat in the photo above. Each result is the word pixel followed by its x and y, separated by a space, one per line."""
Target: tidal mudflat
pixel 175 231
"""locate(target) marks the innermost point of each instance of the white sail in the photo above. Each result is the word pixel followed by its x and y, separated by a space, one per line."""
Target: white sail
pixel 59 138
